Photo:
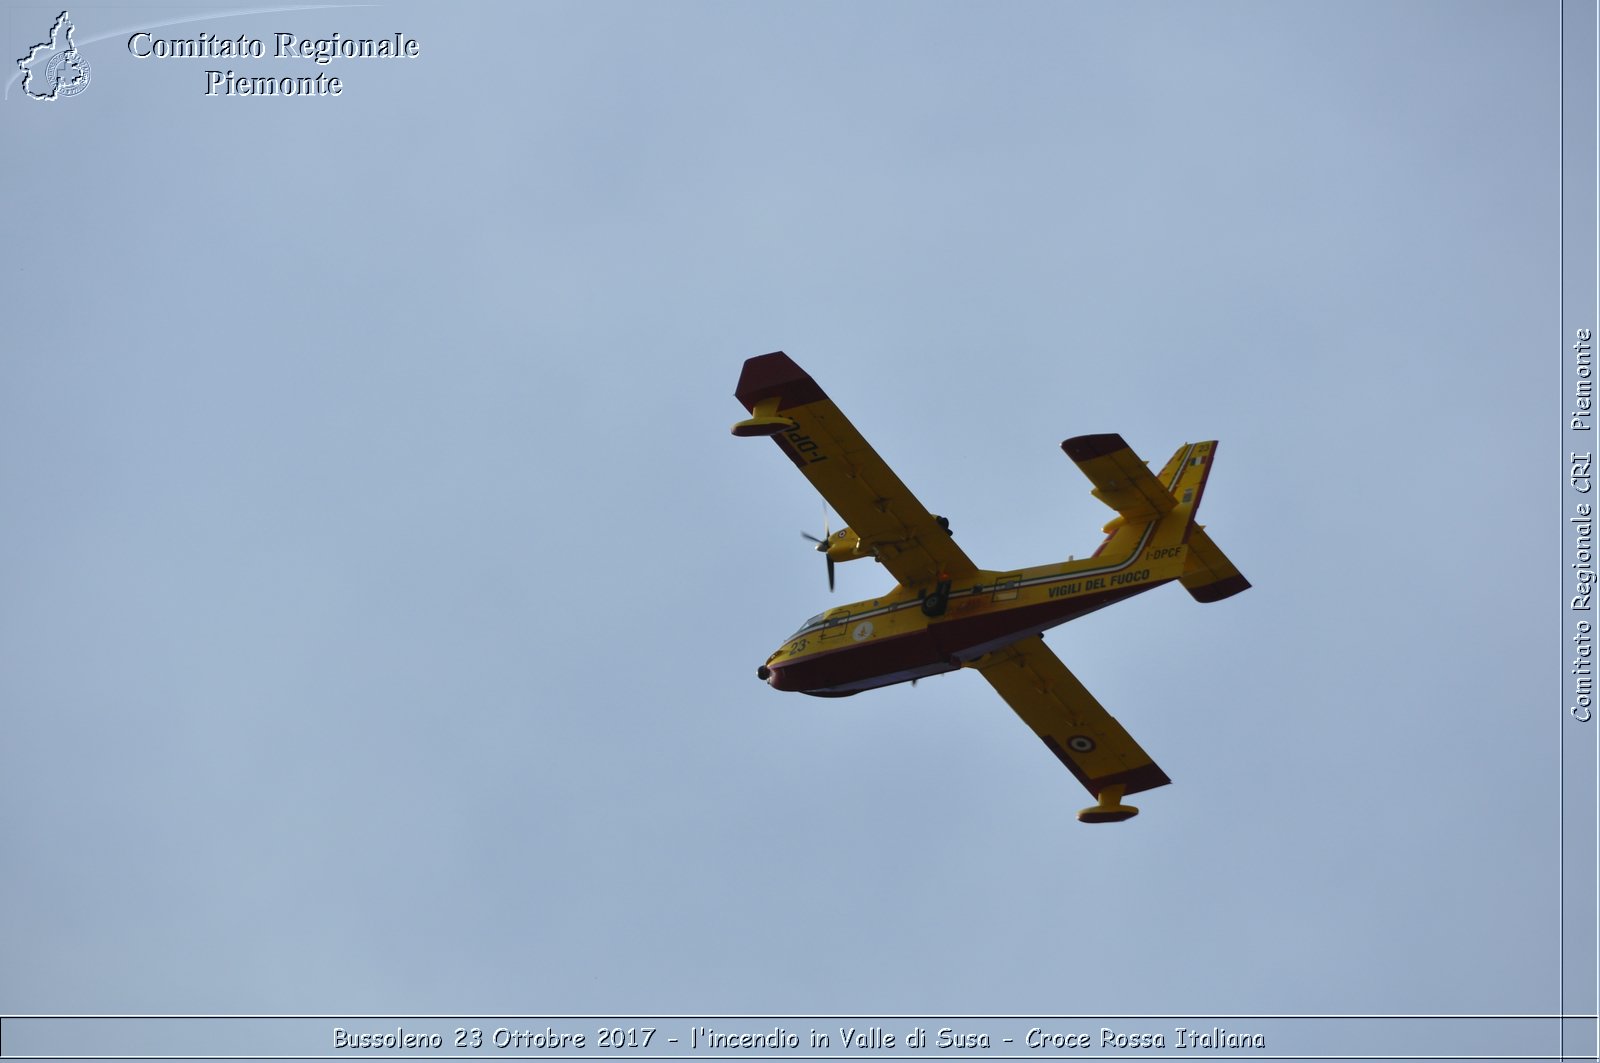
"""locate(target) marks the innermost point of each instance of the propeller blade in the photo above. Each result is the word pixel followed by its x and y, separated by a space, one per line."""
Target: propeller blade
pixel 822 543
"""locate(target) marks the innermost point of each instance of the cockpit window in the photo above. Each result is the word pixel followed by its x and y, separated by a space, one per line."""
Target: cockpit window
pixel 807 624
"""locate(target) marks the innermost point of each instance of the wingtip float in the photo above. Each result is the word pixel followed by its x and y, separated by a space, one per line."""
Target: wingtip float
pixel 946 613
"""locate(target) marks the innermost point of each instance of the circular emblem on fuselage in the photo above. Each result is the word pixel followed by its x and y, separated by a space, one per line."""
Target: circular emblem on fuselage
pixel 862 630
pixel 1081 744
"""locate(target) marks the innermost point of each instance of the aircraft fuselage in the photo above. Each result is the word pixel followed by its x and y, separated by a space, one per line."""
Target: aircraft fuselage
pixel 882 641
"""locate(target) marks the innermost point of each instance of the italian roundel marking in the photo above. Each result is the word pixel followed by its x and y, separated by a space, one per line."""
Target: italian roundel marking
pixel 1081 744
pixel 862 630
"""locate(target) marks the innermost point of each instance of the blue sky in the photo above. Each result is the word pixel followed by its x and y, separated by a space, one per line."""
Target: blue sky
pixel 385 589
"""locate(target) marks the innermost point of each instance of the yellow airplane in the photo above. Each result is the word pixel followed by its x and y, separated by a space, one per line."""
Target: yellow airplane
pixel 947 613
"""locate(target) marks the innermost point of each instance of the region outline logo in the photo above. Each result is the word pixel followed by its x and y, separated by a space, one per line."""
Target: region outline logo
pixel 65 70
pixel 55 68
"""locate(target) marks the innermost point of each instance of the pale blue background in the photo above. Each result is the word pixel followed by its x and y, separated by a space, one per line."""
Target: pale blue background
pixel 382 590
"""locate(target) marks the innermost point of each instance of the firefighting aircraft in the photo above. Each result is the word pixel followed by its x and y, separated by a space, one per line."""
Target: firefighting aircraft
pixel 947 613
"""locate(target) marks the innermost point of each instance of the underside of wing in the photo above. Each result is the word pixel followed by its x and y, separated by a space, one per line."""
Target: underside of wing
pixel 785 403
pixel 1075 727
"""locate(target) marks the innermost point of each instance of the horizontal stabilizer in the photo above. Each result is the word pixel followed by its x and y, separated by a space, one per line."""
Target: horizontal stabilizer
pixel 1120 479
pixel 1208 575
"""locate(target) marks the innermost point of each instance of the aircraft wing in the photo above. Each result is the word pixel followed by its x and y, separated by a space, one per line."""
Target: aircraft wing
pixel 1082 734
pixel 787 404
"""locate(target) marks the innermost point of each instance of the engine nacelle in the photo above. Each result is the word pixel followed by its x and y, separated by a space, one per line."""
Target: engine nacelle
pixel 844 545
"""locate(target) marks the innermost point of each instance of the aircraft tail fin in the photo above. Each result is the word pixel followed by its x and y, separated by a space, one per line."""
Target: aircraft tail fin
pixel 1208 575
pixel 1169 498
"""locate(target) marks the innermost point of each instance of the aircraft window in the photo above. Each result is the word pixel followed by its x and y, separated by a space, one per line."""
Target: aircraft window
pixel 807 624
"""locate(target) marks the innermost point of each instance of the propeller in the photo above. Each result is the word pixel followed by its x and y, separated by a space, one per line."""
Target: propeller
pixel 822 546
